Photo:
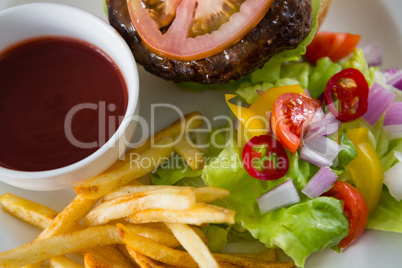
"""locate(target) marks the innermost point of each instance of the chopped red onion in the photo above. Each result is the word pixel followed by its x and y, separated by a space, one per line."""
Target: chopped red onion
pixel 393 180
pixel 282 195
pixel 320 151
pixel 373 54
pixel 393 115
pixel 320 182
pixel 379 100
pixel 387 73
pixel 314 157
pixel 395 80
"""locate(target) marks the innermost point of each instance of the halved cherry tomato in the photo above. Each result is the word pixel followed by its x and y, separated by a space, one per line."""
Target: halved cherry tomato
pixel 265 158
pixel 336 46
pixel 347 94
pixel 176 42
pixel 291 113
pixel 354 207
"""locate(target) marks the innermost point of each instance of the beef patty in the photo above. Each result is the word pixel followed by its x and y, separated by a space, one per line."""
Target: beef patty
pixel 284 26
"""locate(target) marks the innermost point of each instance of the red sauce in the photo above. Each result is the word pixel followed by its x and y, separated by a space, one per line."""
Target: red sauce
pixel 43 83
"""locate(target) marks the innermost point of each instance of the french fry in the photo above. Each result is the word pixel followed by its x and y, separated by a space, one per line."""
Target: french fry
pixel 107 182
pixel 162 226
pixel 190 154
pixel 230 260
pixel 198 215
pixel 179 258
pixel 69 218
pixel 269 255
pixel 193 244
pixel 106 257
pixel 43 249
pixel 155 250
pixel 202 194
pixel 63 262
pixel 145 262
pixel 123 206
pixel 28 211
pixel 157 234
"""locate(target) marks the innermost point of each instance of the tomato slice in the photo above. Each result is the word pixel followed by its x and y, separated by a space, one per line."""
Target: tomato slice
pixel 347 94
pixel 354 207
pixel 265 158
pixel 336 46
pixel 177 44
pixel 291 113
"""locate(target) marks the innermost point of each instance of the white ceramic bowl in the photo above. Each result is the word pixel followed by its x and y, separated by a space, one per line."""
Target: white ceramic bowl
pixel 44 19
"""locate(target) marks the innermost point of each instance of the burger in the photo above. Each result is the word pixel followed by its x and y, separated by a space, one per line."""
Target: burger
pixel 212 41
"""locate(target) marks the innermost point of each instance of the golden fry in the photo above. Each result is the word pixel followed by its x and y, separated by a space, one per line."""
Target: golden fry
pixel 198 215
pixel 268 255
pixel 158 235
pixel 28 211
pixel 143 164
pixel 123 206
pixel 190 154
pixel 155 250
pixel 202 194
pixel 69 218
pixel 145 262
pixel 193 244
pixel 63 262
pixel 106 257
pixel 46 248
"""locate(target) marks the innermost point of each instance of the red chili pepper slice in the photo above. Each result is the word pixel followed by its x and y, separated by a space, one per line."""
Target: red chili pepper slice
pixel 265 158
pixel 347 94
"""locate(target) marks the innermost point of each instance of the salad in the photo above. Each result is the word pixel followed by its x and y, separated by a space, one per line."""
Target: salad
pixel 316 155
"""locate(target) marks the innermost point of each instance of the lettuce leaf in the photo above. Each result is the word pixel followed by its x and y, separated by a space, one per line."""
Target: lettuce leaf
pixel 388 215
pixel 173 171
pixel 299 230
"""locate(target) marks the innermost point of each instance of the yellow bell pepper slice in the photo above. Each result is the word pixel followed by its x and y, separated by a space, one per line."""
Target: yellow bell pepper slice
pixel 366 169
pixel 255 124
pixel 267 100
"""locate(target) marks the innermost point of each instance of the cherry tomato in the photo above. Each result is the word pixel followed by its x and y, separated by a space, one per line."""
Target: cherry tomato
pixel 354 207
pixel 176 41
pixel 336 46
pixel 291 113
pixel 265 158
pixel 347 94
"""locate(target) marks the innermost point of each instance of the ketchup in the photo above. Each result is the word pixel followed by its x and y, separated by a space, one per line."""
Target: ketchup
pixel 60 100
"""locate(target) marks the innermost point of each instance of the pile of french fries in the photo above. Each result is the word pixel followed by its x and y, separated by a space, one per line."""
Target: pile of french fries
pixel 117 221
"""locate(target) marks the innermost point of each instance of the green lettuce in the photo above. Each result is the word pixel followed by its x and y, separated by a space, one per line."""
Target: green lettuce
pixel 175 170
pixel 358 61
pixel 320 75
pixel 301 229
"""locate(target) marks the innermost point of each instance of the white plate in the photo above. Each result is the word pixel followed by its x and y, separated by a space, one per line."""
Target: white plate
pixel 373 19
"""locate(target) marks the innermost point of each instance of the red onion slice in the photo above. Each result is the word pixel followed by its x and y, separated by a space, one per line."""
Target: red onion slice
pixel 393 115
pixel 379 100
pixel 320 151
pixel 395 80
pixel 282 195
pixel 320 182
